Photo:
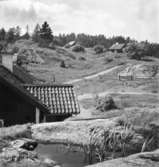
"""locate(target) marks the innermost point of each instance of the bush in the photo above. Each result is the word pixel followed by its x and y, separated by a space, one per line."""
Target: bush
pixel 138 50
pixel 99 49
pixel 78 48
pixel 108 60
pixel 82 58
pixel 105 104
pixel 63 65
pixel 15 50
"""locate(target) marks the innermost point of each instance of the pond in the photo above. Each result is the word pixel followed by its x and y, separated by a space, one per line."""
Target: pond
pixel 65 155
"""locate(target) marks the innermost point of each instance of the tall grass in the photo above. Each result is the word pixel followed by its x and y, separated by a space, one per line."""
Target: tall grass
pixel 105 144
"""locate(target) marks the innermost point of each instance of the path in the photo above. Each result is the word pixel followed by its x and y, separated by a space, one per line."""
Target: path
pixel 93 76
pixel 103 94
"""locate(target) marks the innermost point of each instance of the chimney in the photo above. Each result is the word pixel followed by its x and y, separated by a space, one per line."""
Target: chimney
pixel 7 61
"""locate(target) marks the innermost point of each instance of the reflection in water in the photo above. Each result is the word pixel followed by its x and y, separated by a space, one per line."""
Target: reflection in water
pixel 63 154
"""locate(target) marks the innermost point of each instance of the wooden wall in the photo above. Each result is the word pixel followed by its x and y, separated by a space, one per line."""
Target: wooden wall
pixel 14 109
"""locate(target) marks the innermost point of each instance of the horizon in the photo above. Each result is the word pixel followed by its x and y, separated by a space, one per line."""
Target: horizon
pixel 110 18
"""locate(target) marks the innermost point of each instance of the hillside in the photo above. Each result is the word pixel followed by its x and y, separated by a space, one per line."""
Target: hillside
pixel 95 74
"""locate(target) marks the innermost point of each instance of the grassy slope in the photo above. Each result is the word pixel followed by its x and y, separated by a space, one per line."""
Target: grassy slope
pixel 91 65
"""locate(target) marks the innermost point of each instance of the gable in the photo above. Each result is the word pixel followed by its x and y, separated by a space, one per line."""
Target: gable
pixel 20 91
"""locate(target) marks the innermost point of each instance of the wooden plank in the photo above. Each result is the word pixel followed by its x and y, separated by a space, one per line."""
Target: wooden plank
pixel 37 115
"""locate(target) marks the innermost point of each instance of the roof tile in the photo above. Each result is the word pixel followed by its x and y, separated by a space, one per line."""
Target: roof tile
pixel 60 99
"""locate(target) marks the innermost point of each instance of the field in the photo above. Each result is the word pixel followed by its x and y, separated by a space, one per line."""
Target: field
pixel 95 74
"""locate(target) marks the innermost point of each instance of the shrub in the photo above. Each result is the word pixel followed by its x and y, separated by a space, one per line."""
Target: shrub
pixel 108 60
pixel 138 50
pixel 99 49
pixel 15 50
pixel 78 48
pixel 82 58
pixel 63 65
pixel 105 104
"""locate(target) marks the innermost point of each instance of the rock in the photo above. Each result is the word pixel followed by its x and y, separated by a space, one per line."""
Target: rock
pixel 146 159
pixel 21 157
pixel 49 162
pixel 24 143
pixel 14 154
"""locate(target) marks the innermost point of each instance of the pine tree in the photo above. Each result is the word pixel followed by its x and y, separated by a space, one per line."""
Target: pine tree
pixel 2 34
pixel 36 33
pixel 11 37
pixel 46 33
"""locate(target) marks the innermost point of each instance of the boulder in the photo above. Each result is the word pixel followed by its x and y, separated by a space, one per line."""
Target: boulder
pixel 49 162
pixel 17 154
pixel 20 157
pixel 146 159
pixel 24 143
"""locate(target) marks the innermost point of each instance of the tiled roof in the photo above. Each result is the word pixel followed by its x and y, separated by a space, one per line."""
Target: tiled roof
pixel 60 99
pixel 117 46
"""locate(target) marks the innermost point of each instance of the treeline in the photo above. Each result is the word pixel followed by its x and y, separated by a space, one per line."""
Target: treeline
pixel 90 40
pixel 43 35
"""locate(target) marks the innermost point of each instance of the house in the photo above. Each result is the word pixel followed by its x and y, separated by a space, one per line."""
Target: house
pixel 22 100
pixel 118 48
pixel 70 44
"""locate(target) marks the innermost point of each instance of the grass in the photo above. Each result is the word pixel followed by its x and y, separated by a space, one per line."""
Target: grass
pixel 14 132
pixel 73 132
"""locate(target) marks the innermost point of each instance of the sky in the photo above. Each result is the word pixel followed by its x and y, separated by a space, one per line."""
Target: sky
pixel 138 19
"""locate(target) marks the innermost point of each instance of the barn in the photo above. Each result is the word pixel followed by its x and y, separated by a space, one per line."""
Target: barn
pixel 22 100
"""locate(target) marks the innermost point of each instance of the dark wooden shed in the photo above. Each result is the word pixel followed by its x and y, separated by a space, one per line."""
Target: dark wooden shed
pixel 18 106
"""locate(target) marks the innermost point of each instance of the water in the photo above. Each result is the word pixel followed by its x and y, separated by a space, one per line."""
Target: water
pixel 66 156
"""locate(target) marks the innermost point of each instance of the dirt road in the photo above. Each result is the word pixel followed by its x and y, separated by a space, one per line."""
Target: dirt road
pixel 93 76
pixel 103 94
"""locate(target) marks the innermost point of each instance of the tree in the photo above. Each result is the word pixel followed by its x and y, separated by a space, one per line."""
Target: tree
pixel 17 32
pixel 11 37
pixel 99 49
pixel 46 33
pixel 3 46
pixel 36 33
pixel 2 34
pixel 138 50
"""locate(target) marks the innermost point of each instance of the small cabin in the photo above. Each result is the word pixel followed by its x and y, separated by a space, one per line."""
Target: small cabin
pixel 117 48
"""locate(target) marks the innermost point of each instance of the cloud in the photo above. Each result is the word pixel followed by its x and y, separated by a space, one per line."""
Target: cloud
pixel 137 18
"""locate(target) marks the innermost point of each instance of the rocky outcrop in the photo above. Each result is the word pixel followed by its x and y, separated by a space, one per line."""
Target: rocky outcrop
pixel 22 158
pixel 20 153
pixel 146 159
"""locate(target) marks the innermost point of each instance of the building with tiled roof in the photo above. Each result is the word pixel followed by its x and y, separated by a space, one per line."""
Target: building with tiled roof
pixel 21 101
pixel 117 47
pixel 60 99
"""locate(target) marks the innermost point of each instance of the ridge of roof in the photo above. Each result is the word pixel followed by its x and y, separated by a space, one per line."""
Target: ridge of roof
pixel 47 85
